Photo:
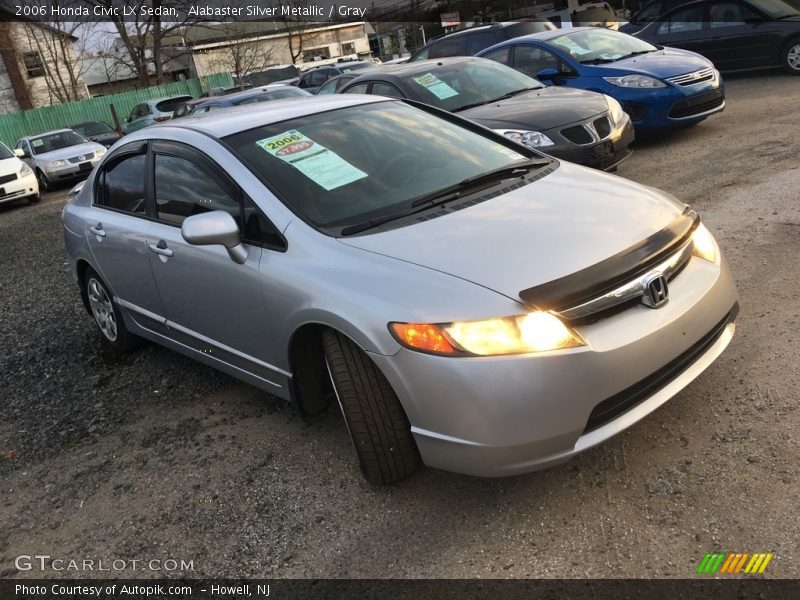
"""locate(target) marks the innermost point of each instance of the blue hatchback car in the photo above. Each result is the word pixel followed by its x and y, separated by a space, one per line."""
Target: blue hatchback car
pixel 658 87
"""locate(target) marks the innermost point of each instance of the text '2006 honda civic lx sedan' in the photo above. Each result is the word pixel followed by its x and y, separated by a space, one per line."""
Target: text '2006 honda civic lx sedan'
pixel 472 304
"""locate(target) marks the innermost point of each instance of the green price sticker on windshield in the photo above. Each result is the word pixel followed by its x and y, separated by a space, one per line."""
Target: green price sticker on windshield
pixel 321 165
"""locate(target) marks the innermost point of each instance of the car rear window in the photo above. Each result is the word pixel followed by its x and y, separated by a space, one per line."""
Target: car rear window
pixel 171 104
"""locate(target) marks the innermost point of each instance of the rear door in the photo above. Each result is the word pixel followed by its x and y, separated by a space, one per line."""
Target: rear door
pixel 685 28
pixel 740 38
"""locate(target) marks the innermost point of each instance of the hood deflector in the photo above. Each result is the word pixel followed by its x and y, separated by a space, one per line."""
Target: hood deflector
pixel 582 286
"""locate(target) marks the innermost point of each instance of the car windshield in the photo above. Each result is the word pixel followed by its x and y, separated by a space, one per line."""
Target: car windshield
pixel 368 161
pixel 460 85
pixel 170 104
pixel 595 46
pixel 56 141
pixel 5 152
pixel 92 128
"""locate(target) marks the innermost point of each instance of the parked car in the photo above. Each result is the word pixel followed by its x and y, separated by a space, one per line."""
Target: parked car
pixel 224 91
pixel 263 94
pixel 97 131
pixel 649 13
pixel 733 34
pixel 17 180
pixel 583 127
pixel 334 84
pixel 475 305
pixel 184 109
pixel 468 42
pixel 312 79
pixel 589 14
pixel 150 112
pixel 658 87
pixel 58 156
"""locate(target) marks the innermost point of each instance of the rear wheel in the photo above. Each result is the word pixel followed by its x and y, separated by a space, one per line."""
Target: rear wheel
pixel 374 416
pixel 791 57
pixel 113 333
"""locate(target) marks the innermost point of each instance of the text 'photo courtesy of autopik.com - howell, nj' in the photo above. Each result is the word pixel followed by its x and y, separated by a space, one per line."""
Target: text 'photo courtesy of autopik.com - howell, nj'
pixel 399 299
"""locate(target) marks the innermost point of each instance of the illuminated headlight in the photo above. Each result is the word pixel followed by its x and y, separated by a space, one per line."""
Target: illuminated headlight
pixel 532 332
pixel 98 153
pixel 636 81
pixel 534 139
pixel 57 163
pixel 705 246
pixel 618 115
pixel 25 171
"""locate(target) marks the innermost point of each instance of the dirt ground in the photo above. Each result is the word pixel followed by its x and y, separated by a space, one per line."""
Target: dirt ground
pixel 152 456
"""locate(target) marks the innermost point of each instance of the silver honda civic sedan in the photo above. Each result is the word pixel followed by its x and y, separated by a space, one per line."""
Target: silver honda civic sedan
pixel 469 303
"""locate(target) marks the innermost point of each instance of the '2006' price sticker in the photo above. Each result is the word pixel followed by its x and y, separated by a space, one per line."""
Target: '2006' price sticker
pixel 320 164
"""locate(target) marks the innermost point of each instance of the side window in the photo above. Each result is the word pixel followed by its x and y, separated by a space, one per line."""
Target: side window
pixel 360 88
pixel 649 13
pixel 530 60
pixel 500 56
pixel 379 88
pixel 480 40
pixel 319 77
pixel 258 229
pixel 121 184
pixel 683 21
pixel 728 14
pixel 329 87
pixel 183 188
pixel 456 46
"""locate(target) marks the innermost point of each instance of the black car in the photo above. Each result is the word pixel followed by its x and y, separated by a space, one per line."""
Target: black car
pixel 576 125
pixel 733 34
pixel 97 131
pixel 649 13
pixel 313 79
pixel 468 42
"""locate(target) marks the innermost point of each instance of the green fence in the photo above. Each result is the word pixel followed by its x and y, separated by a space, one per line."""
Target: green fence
pixel 36 120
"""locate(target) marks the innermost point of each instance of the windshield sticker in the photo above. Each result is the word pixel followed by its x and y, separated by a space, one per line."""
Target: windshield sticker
pixel 508 152
pixel 435 86
pixel 322 166
pixel 37 143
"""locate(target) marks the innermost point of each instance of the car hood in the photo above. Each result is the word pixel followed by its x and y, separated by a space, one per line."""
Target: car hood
pixel 539 109
pixel 9 166
pixel 666 62
pixel 569 220
pixel 70 151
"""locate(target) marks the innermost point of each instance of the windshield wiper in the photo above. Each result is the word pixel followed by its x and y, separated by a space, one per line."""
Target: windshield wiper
pixel 599 61
pixel 503 97
pixel 450 193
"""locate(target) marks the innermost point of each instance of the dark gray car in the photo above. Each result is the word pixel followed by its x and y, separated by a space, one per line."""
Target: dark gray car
pixel 580 126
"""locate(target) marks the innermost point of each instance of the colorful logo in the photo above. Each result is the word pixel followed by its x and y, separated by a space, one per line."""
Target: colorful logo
pixel 733 563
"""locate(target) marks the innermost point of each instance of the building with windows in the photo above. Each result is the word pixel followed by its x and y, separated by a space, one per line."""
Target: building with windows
pixel 37 65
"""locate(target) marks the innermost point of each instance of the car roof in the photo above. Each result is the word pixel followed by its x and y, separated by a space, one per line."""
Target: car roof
pixel 412 68
pixel 221 123
pixel 157 100
pixel 230 99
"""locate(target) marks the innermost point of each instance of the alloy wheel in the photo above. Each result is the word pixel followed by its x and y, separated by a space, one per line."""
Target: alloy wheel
pixel 102 309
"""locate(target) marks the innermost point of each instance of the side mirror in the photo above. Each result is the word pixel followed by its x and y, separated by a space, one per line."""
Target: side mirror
pixel 215 227
pixel 547 74
pixel 20 153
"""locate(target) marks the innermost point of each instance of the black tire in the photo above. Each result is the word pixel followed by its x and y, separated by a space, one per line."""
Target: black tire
pixel 44 182
pixel 791 56
pixel 34 199
pixel 375 418
pixel 106 314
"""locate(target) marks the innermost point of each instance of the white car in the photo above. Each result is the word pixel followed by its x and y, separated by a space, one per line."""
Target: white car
pixel 60 155
pixel 17 180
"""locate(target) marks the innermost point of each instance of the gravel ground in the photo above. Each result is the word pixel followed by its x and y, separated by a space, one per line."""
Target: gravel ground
pixel 152 456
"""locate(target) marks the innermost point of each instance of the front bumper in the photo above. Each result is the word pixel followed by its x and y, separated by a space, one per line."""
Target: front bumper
pixel 22 187
pixel 71 170
pixel 499 416
pixel 604 154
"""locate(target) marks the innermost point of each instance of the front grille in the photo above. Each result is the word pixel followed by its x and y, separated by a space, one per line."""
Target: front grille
pixel 577 135
pixel 83 157
pixel 7 178
pixel 620 403
pixel 603 127
pixel 692 78
pixel 697 105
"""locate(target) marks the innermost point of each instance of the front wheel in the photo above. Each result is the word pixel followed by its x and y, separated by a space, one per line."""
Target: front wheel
pixel 34 199
pixel 44 182
pixel 374 416
pixel 113 333
pixel 791 57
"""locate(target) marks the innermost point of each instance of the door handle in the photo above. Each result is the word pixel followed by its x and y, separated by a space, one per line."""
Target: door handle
pixel 161 248
pixel 98 230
